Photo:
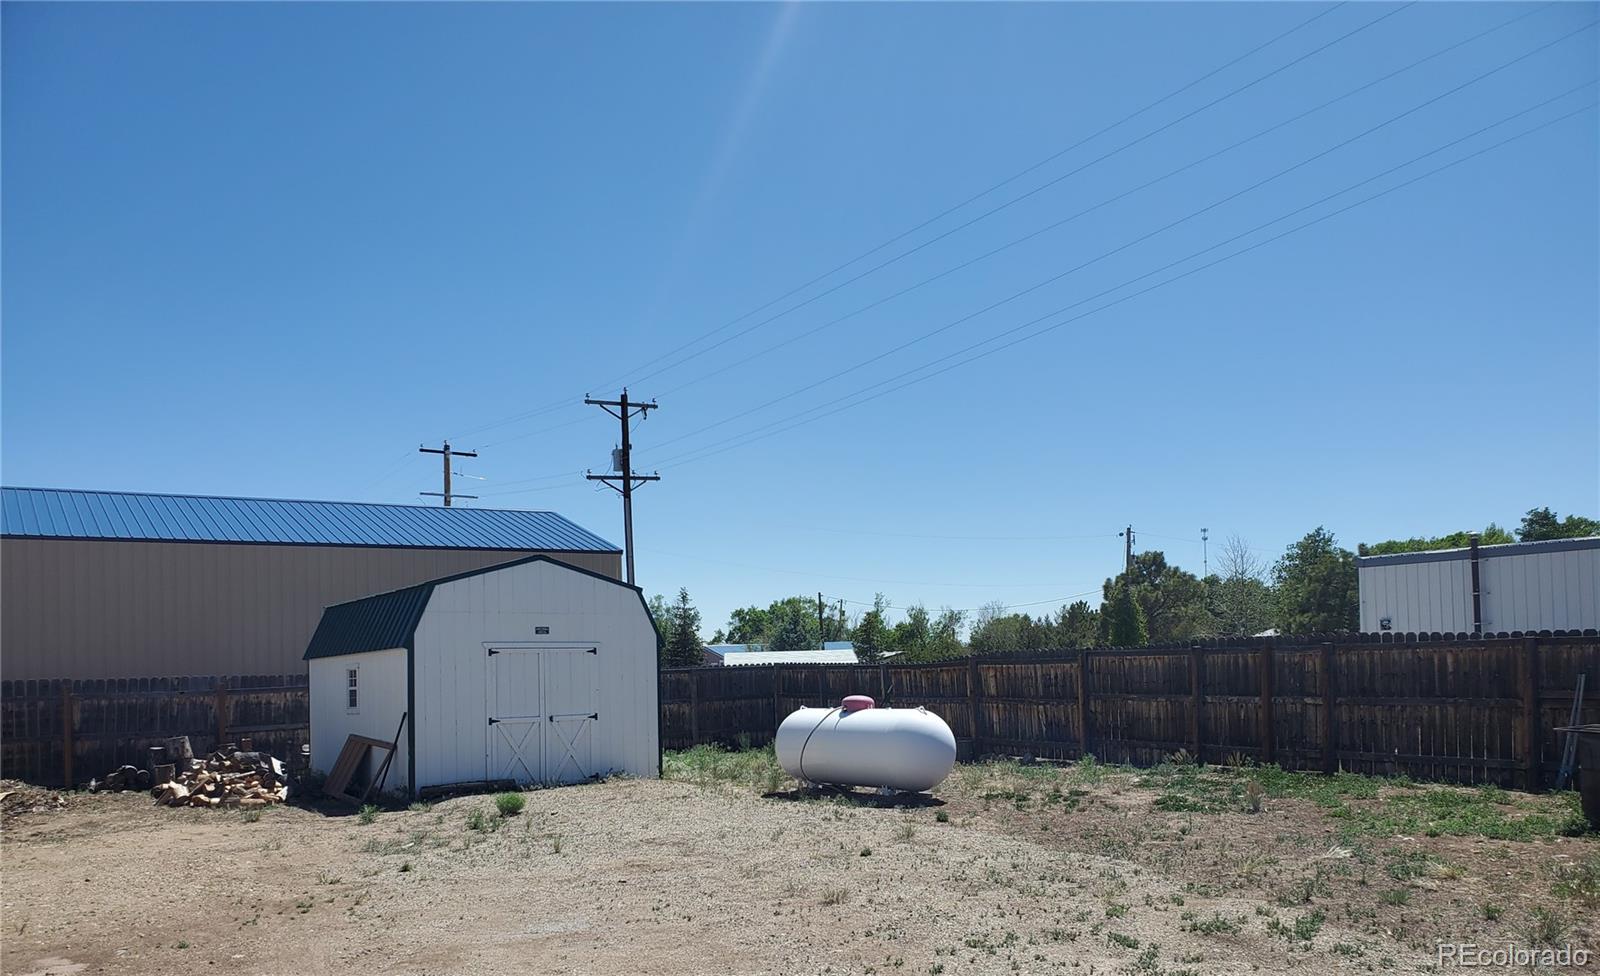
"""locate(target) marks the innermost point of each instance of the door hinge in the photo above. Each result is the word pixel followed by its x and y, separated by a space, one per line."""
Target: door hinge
pixel 594 650
pixel 493 652
pixel 594 715
pixel 494 721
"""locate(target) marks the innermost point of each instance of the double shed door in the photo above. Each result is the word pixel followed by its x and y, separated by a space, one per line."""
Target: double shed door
pixel 542 704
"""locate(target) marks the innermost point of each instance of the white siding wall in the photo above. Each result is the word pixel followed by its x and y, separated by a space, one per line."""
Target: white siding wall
pixel 504 606
pixel 1418 597
pixel 1557 590
pixel 1542 591
pixel 381 700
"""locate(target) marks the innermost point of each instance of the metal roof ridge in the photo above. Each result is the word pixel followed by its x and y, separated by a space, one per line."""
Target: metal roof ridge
pixel 263 498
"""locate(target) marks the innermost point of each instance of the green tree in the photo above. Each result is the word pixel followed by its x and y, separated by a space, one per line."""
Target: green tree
pixel 1125 624
pixel 790 631
pixel 1541 523
pixel 684 649
pixel 1173 601
pixel 1316 586
pixel 661 613
pixel 924 637
pixel 749 625
pixel 871 635
pixel 1491 535
pixel 1078 626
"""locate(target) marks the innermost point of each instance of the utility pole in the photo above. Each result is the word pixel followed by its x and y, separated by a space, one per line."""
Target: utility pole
pixel 447 494
pixel 622 461
pixel 822 628
pixel 1205 555
pixel 1127 549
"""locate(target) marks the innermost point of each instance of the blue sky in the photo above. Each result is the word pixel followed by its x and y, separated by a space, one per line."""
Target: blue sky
pixel 269 249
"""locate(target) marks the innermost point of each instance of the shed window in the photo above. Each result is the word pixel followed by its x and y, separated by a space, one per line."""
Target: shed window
pixel 351 690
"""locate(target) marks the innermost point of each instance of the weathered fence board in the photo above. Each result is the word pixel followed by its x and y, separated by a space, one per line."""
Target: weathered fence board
pixel 1452 707
pixel 66 732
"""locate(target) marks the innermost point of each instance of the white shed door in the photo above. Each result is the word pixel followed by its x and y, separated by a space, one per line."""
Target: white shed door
pixel 542 710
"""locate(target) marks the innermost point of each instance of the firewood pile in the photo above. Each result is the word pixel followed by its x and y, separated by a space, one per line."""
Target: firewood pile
pixel 236 775
pixel 224 778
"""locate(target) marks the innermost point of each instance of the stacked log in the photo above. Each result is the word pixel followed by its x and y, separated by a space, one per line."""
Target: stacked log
pixel 226 778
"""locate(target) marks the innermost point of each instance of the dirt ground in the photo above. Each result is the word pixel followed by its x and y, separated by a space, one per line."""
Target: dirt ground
pixel 1008 870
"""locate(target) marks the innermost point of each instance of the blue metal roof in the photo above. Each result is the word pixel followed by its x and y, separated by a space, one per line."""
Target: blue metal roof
pixel 58 513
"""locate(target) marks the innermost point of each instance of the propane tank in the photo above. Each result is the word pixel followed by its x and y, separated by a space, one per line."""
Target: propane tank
pixel 857 744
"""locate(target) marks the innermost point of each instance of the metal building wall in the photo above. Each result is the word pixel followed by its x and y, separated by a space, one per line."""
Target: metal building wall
pixel 1542 591
pixel 1522 586
pixel 127 609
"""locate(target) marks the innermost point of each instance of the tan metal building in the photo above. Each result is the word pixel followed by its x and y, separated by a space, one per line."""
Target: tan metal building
pixel 125 585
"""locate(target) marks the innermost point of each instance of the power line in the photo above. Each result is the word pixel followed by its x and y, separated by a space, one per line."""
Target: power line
pixel 558 404
pixel 1128 244
pixel 1017 199
pixel 1008 606
pixel 957 538
pixel 1054 225
pixel 738 440
pixel 850 579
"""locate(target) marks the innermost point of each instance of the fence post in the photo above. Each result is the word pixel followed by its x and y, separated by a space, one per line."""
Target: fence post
pixel 975 700
pixel 777 709
pixel 883 684
pixel 694 707
pixel 66 732
pixel 1330 752
pixel 1196 700
pixel 1266 664
pixel 1084 723
pixel 1530 680
pixel 221 706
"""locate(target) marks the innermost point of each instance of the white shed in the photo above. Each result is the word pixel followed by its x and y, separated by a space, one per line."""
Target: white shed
pixel 533 671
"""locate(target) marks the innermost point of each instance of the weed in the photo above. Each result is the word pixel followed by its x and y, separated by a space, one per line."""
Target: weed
pixel 476 820
pixel 1116 910
pixel 835 896
pixel 251 815
pixel 1254 797
pixel 182 944
pixel 367 814
pixel 510 804
pixel 418 806
pixel 1580 882
pixel 866 852
pixel 1217 924
pixel 1492 912
pixel 1126 941
pixel 1396 897
pixel 907 831
pixel 556 843
pixel 1546 926
pixel 942 817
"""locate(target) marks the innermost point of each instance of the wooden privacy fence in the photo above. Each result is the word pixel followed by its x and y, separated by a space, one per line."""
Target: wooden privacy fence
pixel 61 732
pixel 1436 707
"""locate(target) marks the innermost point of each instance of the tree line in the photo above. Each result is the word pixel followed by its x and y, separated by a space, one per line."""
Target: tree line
pixel 1310 588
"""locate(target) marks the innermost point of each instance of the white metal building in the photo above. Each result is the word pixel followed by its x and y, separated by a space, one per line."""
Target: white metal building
pixel 1526 586
pixel 534 671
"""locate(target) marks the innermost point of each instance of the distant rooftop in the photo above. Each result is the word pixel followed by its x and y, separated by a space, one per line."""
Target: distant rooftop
pixel 59 513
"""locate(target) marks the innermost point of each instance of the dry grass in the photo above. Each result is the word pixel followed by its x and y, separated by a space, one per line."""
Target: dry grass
pixel 724 868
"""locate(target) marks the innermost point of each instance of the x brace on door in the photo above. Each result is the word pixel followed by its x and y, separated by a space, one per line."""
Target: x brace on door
pixel 569 743
pixel 517 758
